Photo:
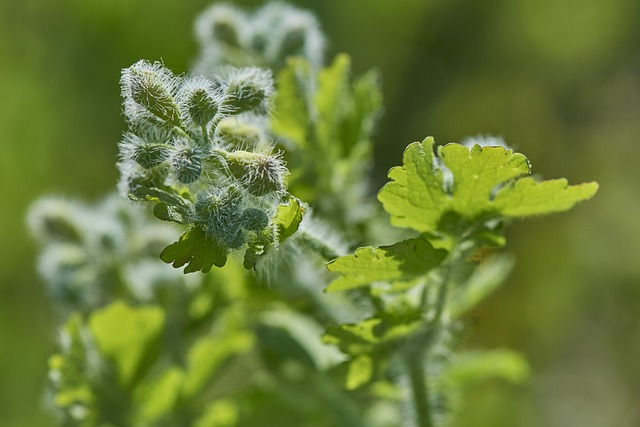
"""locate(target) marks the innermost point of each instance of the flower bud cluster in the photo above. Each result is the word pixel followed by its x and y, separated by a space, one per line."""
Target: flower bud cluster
pixel 198 147
pixel 92 254
pixel 230 36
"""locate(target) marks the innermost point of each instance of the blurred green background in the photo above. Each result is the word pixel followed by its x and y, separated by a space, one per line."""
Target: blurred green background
pixel 558 79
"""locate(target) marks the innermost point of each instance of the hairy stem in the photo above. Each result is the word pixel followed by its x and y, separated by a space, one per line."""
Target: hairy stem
pixel 318 245
pixel 419 387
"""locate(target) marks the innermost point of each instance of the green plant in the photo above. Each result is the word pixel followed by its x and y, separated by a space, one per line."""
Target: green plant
pixel 266 179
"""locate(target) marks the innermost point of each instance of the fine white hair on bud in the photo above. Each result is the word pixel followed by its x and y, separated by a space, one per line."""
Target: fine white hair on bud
pixel 145 153
pixel 200 100
pixel 260 174
pixel 55 219
pixel 243 131
pixel 249 89
pixel 148 91
pixel 283 30
pixel 220 214
pixel 222 23
pixel 186 162
pixel 267 37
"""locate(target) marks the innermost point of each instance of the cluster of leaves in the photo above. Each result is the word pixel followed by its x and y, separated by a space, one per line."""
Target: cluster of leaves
pixel 458 202
pixel 144 345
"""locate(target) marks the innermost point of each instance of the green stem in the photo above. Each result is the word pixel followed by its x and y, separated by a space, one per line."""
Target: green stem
pixel 416 356
pixel 419 388
pixel 318 245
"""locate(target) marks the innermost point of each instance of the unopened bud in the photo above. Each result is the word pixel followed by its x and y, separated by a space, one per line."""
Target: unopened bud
pixel 249 89
pixel 200 100
pixel 254 219
pixel 151 86
pixel 222 23
pixel 259 174
pixel 150 155
pixel 187 164
pixel 238 133
pixel 54 219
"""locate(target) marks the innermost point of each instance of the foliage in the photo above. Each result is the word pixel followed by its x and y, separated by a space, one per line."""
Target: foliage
pixel 270 177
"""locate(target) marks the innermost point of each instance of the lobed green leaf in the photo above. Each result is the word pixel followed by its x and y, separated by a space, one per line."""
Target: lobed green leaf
pixel 484 183
pixel 288 218
pixel 527 197
pixel 403 261
pixel 124 335
pixel 196 250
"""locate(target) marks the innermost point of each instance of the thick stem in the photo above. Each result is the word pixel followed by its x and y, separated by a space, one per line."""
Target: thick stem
pixel 419 388
pixel 416 357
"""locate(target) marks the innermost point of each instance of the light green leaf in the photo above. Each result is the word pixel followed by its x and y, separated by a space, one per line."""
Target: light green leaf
pixel 125 334
pixel 208 354
pixel 415 197
pixel 195 249
pixel 360 372
pixel 354 339
pixel 528 197
pixel 475 366
pixel 220 413
pixel 331 100
pixel 306 332
pixel 157 396
pixel 364 337
pixel 484 280
pixel 171 206
pixel 403 261
pixel 477 171
pixel 288 218
pixel 483 183
pixel 290 117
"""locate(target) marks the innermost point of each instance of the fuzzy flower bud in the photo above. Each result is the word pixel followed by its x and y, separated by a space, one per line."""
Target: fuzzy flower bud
pixel 260 174
pixel 53 219
pixel 222 23
pixel 187 163
pixel 151 87
pixel 200 100
pixel 249 89
pixel 240 133
pixel 253 219
pixel 220 215
pixel 146 154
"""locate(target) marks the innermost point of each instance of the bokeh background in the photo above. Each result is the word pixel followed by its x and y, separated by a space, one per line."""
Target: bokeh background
pixel 558 79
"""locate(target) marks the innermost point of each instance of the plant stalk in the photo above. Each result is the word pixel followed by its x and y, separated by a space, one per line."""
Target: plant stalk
pixel 419 388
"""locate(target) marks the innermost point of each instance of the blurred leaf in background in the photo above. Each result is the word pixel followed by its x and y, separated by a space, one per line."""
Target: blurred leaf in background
pixel 559 80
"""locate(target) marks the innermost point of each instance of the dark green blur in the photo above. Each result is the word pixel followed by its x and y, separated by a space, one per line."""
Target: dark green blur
pixel 558 79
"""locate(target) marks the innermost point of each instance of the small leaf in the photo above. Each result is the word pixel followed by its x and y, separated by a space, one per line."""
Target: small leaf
pixel 415 198
pixel 306 333
pixel 124 335
pixel 476 366
pixel 528 197
pixel 333 91
pixel 177 206
pixel 360 372
pixel 167 212
pixel 219 413
pixel 195 249
pixel 290 118
pixel 477 171
pixel 288 218
pixel 403 261
pixel 158 395
pixel 208 354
